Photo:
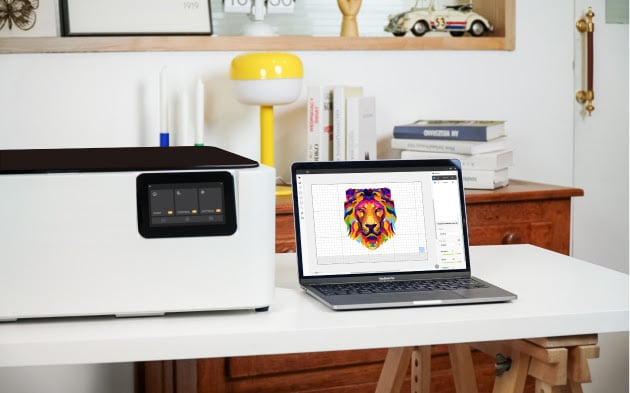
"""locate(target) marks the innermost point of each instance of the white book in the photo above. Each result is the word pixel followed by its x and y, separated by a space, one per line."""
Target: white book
pixel 317 140
pixel 468 130
pixel 485 161
pixel 447 146
pixel 485 180
pixel 327 123
pixel 361 128
pixel 340 93
pixel 326 136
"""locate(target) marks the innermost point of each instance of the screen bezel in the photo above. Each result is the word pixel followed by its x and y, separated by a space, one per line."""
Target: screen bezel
pixel 144 180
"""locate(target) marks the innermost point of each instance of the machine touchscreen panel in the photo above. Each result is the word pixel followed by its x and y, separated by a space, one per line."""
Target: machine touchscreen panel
pixel 186 204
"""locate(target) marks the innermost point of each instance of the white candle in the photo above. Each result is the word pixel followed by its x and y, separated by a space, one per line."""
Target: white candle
pixel 200 113
pixel 163 102
pixel 183 119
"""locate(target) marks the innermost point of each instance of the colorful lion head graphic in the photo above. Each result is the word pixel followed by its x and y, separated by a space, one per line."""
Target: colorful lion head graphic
pixel 370 216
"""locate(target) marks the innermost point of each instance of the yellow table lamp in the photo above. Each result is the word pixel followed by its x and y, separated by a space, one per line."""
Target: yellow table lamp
pixel 266 79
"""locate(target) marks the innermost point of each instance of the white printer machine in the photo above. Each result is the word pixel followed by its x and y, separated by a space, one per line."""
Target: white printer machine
pixel 134 231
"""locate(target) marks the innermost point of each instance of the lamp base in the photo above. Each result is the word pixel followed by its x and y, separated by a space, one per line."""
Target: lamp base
pixel 283 190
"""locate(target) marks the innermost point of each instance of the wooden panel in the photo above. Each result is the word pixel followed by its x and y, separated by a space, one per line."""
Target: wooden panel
pixel 171 376
pixel 310 380
pixel 215 376
pixel 285 230
pixel 360 374
pixel 185 376
pixel 565 341
pixel 211 376
pixel 248 366
pixel 154 377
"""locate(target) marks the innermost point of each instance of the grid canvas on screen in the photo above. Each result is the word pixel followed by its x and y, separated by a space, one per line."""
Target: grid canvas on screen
pixel 333 245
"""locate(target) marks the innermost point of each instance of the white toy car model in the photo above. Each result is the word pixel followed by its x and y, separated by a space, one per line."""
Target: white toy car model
pixel 456 19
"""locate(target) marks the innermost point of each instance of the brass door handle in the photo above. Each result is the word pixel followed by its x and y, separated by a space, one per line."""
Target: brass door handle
pixel 585 25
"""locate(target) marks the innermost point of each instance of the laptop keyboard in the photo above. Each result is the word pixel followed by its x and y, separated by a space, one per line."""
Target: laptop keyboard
pixel 398 286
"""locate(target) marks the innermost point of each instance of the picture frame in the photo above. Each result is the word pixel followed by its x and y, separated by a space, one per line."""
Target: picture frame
pixel 135 17
pixel 30 18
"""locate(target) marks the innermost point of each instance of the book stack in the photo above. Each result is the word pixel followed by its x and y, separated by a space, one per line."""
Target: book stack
pixel 341 123
pixel 481 146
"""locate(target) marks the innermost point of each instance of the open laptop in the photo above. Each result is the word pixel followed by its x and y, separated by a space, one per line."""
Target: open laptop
pixel 385 233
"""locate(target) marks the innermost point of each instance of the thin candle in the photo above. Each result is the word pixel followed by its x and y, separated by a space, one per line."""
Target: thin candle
pixel 164 137
pixel 200 101
pixel 183 119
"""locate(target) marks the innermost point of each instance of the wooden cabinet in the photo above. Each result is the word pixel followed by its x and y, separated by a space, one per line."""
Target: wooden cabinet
pixel 523 212
pixel 335 372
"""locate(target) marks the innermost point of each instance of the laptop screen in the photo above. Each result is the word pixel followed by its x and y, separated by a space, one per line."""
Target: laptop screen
pixel 379 217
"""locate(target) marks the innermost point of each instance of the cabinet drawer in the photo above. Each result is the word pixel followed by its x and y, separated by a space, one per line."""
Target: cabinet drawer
pixel 544 223
pixel 354 371
pixel 252 366
pixel 537 233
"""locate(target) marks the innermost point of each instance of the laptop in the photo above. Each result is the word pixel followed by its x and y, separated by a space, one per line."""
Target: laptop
pixel 385 233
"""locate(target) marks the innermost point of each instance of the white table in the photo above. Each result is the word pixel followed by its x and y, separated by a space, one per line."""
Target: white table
pixel 558 296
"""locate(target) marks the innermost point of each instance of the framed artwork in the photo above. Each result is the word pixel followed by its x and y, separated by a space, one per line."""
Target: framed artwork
pixel 29 18
pixel 135 17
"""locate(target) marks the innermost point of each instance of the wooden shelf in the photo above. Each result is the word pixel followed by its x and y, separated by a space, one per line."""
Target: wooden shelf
pixel 215 43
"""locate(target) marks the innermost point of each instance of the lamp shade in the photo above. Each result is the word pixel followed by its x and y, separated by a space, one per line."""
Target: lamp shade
pixel 267 78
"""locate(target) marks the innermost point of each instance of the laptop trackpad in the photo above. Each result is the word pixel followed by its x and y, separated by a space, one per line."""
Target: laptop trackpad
pixel 401 297
pixel 436 295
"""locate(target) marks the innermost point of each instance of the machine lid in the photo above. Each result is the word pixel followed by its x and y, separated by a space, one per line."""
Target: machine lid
pixel 120 159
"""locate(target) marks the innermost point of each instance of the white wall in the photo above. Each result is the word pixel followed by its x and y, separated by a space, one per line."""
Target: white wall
pixel 111 99
pixel 109 378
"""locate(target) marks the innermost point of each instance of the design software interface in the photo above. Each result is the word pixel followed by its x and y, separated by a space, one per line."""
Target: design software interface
pixel 394 221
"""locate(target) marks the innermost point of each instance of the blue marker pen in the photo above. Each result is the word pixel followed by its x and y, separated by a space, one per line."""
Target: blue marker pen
pixel 164 139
